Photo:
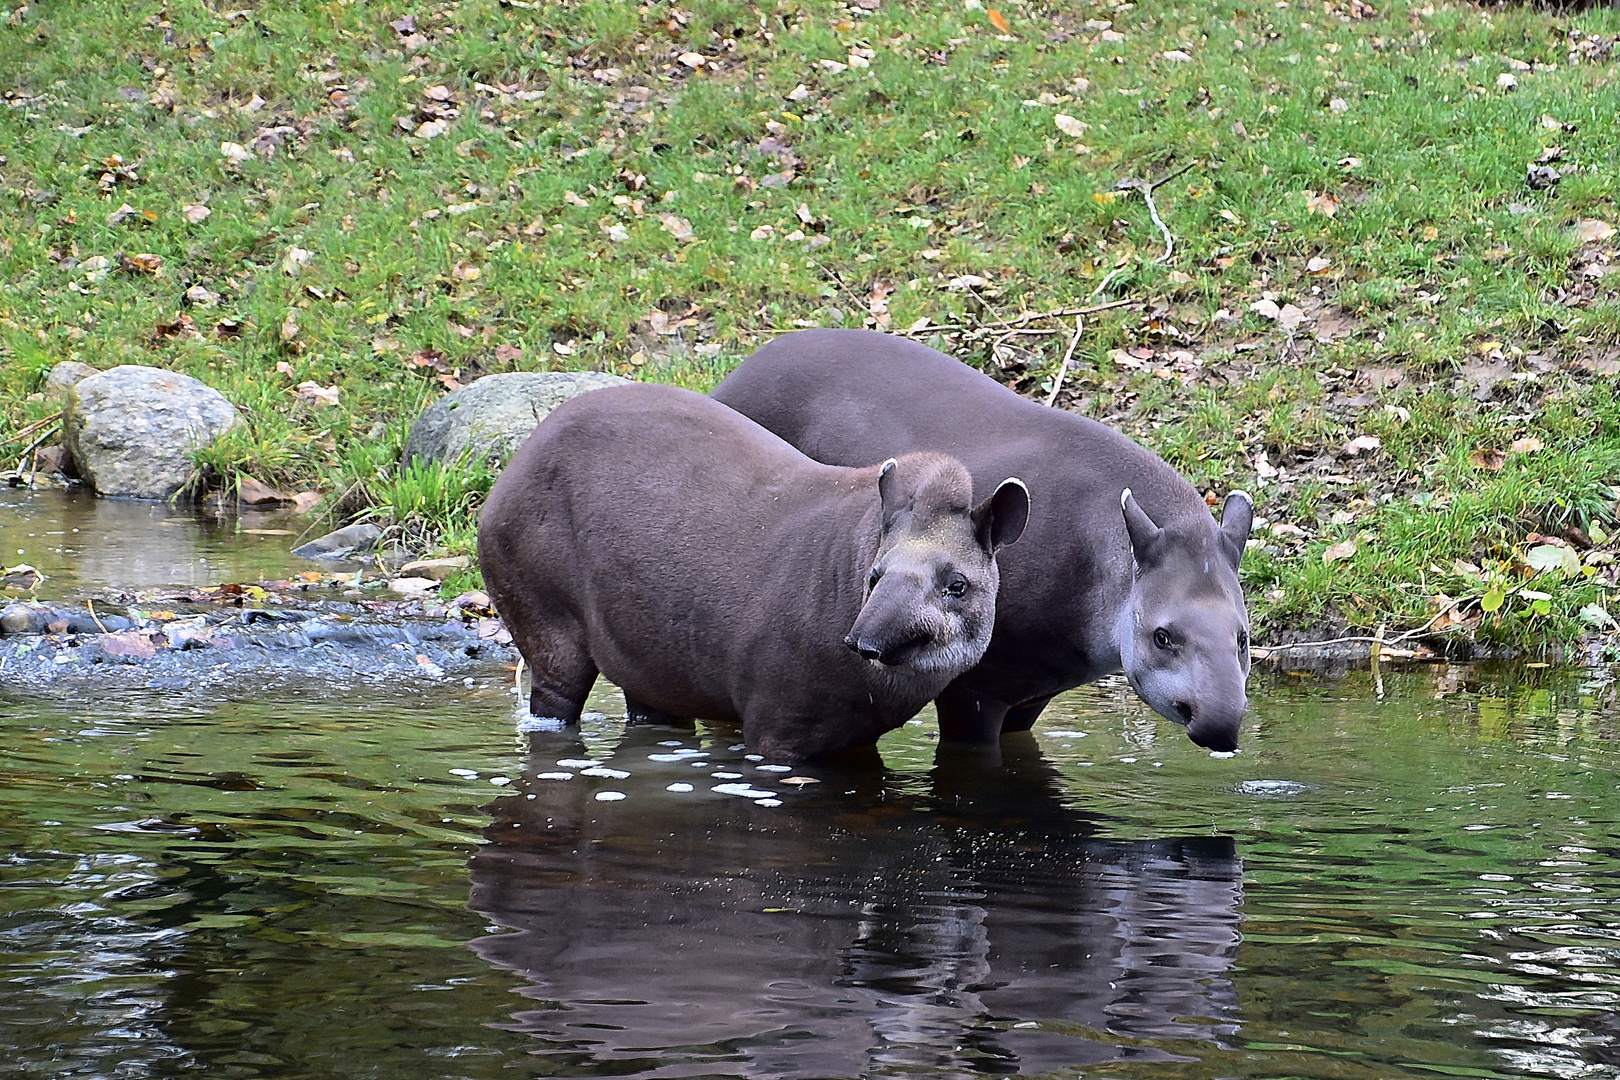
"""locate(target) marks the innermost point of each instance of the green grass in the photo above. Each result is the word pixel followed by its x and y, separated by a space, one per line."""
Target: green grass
pixel 936 161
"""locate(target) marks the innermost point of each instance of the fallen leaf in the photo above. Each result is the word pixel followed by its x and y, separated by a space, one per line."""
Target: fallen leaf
pixel 1527 445
pixel 141 264
pixel 1338 105
pixel 1360 444
pixel 257 493
pixel 284 368
pixel 436 93
pixel 508 354
pixel 120 215
pixel 572 199
pixel 1176 56
pixel 676 226
pixel 998 21
pixel 235 152
pixel 289 326
pixel 1349 163
pixel 195 212
pixel 1318 264
pixel 764 232
pixel 1266 308
pixel 1289 318
pixel 305 501
pixel 1488 459
pixel 562 348
pixel 1339 552
pixel 432 129
pixel 467 271
pixel 1591 231
pixel 834 66
pixel 427 358
pixel 1506 81
pixel 228 329
pixel 799 93
pixel 693 60
pixel 201 296
pixel 1325 204
pixel 1070 126
pixel 295 260
pixel 316 394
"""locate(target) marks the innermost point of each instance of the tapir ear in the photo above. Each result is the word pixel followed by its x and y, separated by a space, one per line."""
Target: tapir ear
pixel 1237 517
pixel 1144 534
pixel 1000 519
pixel 891 491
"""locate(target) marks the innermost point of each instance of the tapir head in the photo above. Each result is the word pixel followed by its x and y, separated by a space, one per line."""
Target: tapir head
pixel 1184 635
pixel 930 598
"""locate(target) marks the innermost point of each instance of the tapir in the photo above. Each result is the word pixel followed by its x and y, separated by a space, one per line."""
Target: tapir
pixel 710 570
pixel 1122 566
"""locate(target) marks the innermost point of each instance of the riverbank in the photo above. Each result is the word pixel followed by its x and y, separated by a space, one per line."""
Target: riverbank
pixel 1357 290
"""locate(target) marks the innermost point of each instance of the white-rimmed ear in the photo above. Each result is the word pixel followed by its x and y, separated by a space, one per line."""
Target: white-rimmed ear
pixel 889 491
pixel 1000 519
pixel 1144 535
pixel 1237 518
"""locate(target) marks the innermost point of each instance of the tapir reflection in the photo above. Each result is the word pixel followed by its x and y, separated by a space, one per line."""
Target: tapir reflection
pixel 959 922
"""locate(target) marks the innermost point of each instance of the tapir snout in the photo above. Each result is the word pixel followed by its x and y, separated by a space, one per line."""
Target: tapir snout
pixel 894 623
pixel 1215 726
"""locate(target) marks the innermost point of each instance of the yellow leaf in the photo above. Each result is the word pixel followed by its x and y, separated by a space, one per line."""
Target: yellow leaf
pixel 998 22
pixel 1104 197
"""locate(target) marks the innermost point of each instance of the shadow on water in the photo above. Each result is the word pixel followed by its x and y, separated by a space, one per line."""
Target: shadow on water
pixel 972 923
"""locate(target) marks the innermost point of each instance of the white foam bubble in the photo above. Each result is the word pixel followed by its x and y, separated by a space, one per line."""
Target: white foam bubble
pixel 746 791
pixel 610 796
pixel 1065 734
pixel 679 787
pixel 767 802
pixel 470 774
pixel 576 763
pixel 554 776
pixel 1223 754
pixel 500 781
pixel 602 770
pixel 774 768
pixel 726 775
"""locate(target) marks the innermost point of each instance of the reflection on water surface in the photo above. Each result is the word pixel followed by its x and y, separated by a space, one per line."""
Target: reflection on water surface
pixel 327 880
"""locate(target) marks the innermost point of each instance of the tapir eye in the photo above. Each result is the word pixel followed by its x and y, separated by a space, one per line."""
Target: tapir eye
pixel 957 586
pixel 1161 638
pixel 1243 640
pixel 876 575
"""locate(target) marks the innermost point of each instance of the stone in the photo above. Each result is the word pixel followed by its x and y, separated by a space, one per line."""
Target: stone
pixel 132 430
pixel 55 459
pixel 491 417
pixel 65 376
pixel 437 569
pixel 413 586
pixel 257 493
pixel 349 540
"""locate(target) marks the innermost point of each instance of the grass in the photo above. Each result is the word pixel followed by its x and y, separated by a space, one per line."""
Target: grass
pixel 510 188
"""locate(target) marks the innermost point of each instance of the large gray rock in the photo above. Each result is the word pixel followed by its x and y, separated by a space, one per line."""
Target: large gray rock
pixel 65 376
pixel 492 417
pixel 131 430
pixel 350 540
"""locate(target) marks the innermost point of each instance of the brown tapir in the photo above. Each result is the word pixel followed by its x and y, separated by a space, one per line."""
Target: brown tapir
pixel 1123 566
pixel 711 570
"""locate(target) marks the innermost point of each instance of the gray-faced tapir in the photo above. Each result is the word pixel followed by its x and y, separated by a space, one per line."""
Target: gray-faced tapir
pixel 711 570
pixel 1121 565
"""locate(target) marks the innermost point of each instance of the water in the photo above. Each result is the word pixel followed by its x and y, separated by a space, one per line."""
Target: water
pixel 380 884
pixel 309 876
pixel 79 542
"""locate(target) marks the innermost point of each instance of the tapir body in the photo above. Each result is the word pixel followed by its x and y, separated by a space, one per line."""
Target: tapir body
pixel 712 571
pixel 1121 566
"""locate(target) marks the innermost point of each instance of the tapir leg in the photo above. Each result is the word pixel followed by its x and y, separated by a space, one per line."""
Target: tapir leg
pixel 637 713
pixel 1022 717
pixel 967 716
pixel 562 672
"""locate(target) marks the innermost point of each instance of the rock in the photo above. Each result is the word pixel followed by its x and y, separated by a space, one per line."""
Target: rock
pixel 393 557
pixel 413 586
pixel 437 569
pixel 493 415
pixel 131 430
pixel 306 501
pixel 24 618
pixel 29 617
pixel 55 459
pixel 256 493
pixel 65 376
pixel 350 540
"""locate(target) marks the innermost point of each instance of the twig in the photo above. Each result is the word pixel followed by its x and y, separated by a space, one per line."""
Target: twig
pixel 1147 189
pixel 35 445
pixel 1061 313
pixel 1063 369
pixel 1380 640
pixel 30 429
pixel 90 605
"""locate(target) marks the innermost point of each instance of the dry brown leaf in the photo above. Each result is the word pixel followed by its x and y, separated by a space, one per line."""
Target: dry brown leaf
pixel 676 226
pixel 1326 204
pixel 316 394
pixel 1491 459
pixel 257 493
pixel 1360 444
pixel 1527 445
pixel 1339 552
pixel 1591 231
pixel 508 354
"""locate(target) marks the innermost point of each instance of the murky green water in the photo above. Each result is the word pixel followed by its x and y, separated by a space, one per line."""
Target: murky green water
pixel 398 885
